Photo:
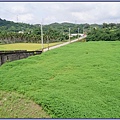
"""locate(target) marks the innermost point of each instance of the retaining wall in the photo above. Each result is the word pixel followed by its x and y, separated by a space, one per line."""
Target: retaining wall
pixel 16 55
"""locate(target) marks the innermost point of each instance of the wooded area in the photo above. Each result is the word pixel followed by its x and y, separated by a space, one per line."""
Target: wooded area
pixel 11 32
pixel 108 32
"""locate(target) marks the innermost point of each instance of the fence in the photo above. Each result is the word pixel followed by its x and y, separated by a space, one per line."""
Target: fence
pixel 16 55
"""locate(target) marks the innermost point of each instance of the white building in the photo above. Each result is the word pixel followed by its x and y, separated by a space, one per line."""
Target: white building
pixel 77 34
pixel 21 32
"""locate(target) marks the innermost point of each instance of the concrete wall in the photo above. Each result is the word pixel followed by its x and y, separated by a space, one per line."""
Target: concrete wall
pixel 16 55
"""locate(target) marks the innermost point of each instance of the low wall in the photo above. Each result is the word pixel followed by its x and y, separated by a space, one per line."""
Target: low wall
pixel 16 55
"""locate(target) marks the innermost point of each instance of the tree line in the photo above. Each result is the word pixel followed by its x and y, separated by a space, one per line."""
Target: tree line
pixel 108 32
pixel 11 32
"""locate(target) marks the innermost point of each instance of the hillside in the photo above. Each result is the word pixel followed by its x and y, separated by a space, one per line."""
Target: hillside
pixel 10 26
pixel 11 32
pixel 79 80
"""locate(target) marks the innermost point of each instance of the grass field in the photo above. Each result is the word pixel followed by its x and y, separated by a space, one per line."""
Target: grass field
pixel 80 80
pixel 25 46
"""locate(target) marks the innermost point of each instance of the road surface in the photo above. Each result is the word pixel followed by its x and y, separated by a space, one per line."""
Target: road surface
pixel 57 46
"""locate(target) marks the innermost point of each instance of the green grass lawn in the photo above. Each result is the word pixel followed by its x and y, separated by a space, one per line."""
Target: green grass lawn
pixel 79 80
pixel 25 46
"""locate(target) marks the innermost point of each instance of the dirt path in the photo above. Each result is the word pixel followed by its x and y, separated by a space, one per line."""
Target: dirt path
pixel 57 46
pixel 14 105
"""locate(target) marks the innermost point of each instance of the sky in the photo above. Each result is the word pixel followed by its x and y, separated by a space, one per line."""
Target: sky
pixel 50 12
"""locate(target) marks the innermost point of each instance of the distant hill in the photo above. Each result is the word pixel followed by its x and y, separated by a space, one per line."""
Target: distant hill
pixel 14 32
pixel 10 26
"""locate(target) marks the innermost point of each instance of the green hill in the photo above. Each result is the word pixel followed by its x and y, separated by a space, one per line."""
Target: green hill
pixel 10 26
pixel 79 80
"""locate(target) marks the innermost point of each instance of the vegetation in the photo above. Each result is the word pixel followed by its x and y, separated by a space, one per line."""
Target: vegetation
pixel 80 80
pixel 13 105
pixel 10 26
pixel 11 32
pixel 26 46
pixel 108 32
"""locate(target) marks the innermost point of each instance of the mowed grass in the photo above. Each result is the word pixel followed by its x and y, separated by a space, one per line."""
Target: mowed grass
pixel 26 46
pixel 79 80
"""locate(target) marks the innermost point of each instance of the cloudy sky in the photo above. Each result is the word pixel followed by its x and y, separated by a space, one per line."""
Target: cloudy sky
pixel 50 12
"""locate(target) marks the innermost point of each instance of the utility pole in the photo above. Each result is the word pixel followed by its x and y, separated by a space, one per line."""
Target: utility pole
pixel 42 37
pixel 83 29
pixel 17 18
pixel 69 34
pixel 78 33
pixel 48 41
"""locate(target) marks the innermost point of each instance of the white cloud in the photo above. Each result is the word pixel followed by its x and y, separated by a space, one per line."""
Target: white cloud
pixel 27 18
pixel 19 9
pixel 82 12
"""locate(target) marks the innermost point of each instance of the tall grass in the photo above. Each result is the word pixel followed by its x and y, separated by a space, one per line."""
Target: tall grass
pixel 25 46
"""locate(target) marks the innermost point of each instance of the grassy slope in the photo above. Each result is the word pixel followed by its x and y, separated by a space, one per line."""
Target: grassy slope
pixel 25 46
pixel 80 80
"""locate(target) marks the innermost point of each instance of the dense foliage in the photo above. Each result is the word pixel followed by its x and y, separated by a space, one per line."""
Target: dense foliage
pixel 108 32
pixel 79 80
pixel 10 26
pixel 11 32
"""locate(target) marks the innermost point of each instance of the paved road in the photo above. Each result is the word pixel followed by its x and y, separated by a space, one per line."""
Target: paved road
pixel 57 46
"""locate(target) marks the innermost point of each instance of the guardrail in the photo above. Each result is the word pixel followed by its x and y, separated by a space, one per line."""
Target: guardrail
pixel 16 55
